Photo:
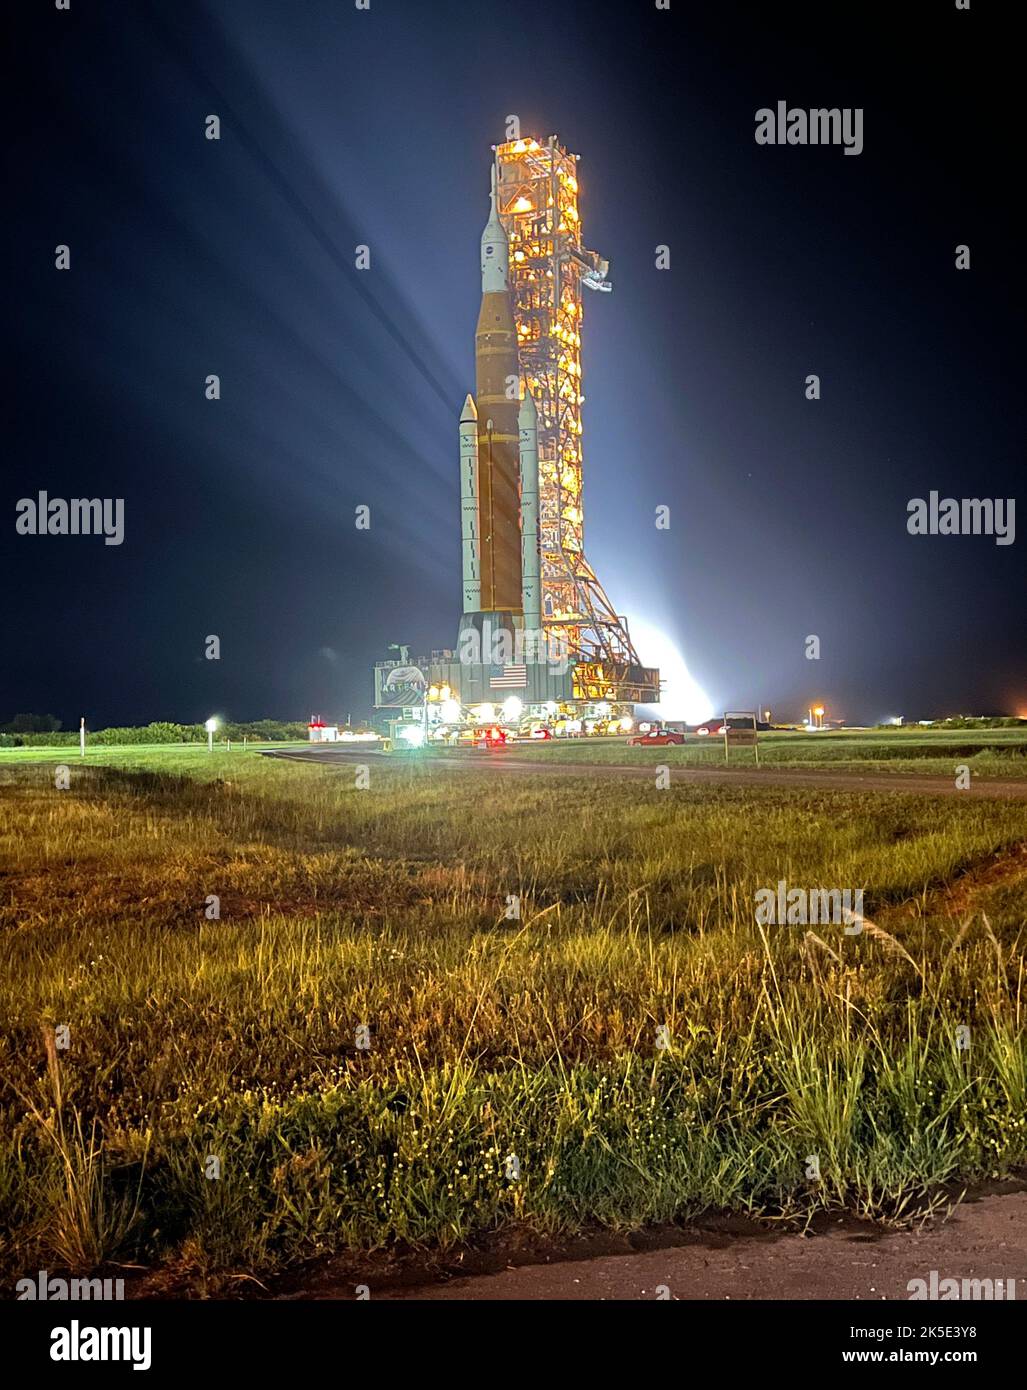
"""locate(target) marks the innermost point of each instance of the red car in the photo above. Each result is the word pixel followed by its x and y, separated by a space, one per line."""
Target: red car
pixel 655 738
pixel 491 738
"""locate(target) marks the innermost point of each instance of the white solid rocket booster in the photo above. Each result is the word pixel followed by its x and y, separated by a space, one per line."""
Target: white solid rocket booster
pixel 471 561
pixel 531 589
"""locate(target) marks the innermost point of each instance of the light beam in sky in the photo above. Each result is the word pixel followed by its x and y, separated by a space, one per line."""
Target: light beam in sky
pixel 682 696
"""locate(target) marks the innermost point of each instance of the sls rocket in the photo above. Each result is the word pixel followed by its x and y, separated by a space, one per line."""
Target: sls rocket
pixel 499 454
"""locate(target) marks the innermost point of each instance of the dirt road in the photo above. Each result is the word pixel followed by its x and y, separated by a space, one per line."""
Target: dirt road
pixel 506 763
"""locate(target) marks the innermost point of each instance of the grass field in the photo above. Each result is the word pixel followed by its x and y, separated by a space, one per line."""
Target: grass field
pixel 987 753
pixel 162 757
pixel 516 1077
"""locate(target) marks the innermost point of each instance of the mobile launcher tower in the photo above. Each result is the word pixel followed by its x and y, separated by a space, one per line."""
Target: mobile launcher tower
pixel 536 621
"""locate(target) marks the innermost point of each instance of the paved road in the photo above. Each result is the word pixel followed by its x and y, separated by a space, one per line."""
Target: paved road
pixel 984 1239
pixel 506 763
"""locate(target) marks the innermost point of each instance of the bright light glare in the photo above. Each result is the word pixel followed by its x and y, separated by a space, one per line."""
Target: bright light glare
pixel 451 711
pixel 681 697
pixel 211 725
pixel 513 708
pixel 412 734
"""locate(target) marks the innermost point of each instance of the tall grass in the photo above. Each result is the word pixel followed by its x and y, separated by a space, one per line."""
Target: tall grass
pixel 536 1038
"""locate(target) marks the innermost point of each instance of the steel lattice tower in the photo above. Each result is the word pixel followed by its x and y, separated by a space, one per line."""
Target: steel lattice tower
pixel 549 269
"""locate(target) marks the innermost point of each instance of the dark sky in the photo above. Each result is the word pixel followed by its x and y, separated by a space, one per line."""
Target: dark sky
pixel 341 387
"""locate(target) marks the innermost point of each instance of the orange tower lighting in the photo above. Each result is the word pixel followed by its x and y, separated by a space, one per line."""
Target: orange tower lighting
pixel 549 268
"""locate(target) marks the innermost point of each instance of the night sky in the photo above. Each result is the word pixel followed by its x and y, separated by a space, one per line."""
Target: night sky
pixel 341 387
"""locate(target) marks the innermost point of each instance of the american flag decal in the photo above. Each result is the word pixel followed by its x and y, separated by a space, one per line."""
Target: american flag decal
pixel 508 677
